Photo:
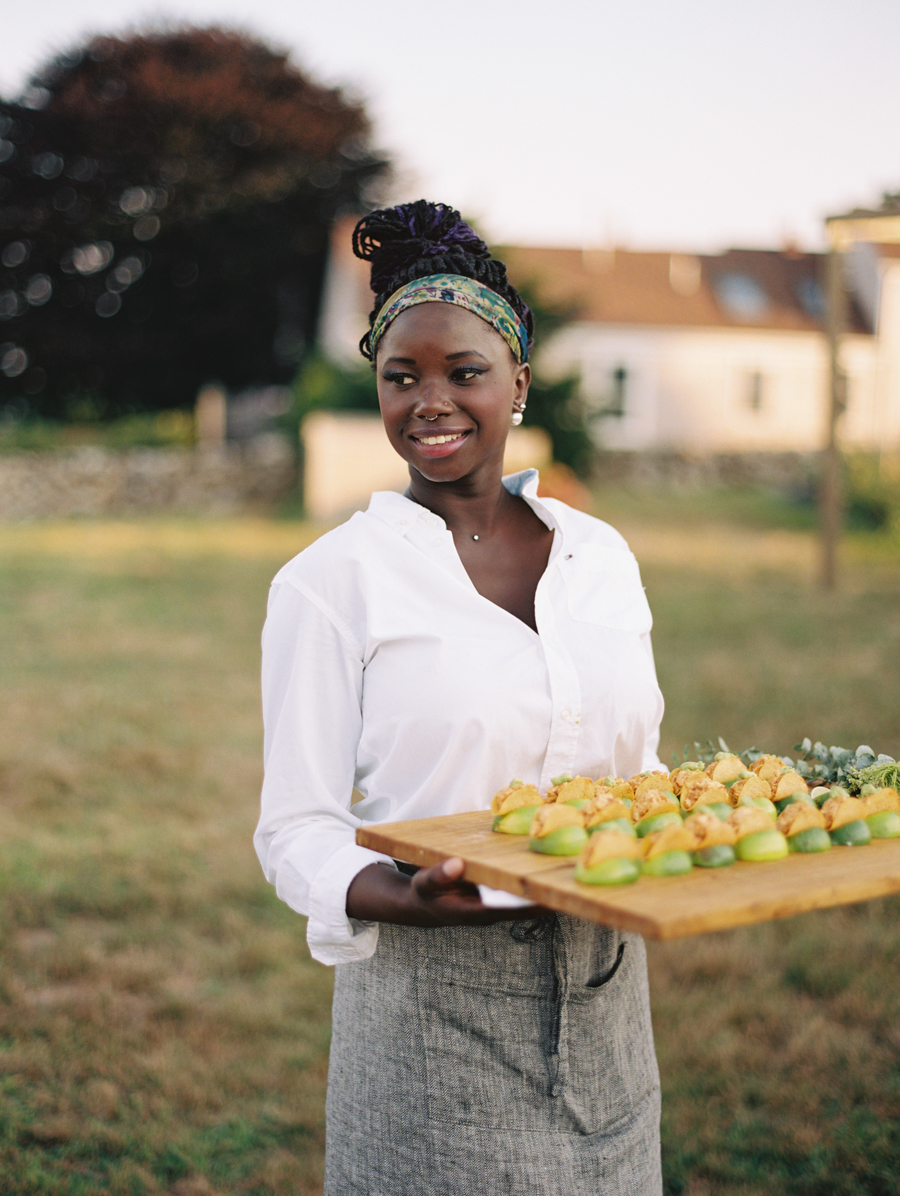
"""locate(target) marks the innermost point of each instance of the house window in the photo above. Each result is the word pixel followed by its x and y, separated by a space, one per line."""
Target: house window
pixel 742 296
pixel 812 297
pixel 617 392
pixel 754 390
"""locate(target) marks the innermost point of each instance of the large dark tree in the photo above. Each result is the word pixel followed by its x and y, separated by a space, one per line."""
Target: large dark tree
pixel 165 201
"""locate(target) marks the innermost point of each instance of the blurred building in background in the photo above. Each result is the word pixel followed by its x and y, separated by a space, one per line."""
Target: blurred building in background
pixel 723 353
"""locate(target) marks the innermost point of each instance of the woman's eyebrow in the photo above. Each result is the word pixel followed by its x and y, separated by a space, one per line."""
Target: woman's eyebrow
pixel 449 357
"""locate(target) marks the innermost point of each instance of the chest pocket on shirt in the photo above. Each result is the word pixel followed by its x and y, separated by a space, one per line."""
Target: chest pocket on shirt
pixel 603 586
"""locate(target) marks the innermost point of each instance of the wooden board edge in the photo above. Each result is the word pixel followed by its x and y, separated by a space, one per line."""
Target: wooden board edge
pixel 422 857
pixel 540 887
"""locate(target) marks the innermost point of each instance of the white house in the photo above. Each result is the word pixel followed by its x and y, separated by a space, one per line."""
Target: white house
pixel 720 353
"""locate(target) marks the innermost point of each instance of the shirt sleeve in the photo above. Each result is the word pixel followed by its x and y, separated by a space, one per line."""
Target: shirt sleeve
pixel 650 759
pixel 312 716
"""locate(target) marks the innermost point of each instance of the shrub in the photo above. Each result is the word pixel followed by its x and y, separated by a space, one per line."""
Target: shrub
pixel 872 492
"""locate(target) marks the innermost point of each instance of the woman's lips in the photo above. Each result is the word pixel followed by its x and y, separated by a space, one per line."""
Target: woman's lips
pixel 438 444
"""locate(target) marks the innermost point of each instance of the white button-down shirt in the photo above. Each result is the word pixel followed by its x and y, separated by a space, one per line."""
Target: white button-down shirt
pixel 385 669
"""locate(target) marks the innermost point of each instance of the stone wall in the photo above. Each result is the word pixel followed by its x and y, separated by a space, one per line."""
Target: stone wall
pixel 94 481
pixel 346 458
pixel 788 473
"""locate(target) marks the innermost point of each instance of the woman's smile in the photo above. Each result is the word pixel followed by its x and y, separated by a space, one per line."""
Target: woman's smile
pixel 438 444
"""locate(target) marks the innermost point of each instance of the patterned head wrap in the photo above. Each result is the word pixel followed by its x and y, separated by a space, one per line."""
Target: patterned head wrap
pixel 464 292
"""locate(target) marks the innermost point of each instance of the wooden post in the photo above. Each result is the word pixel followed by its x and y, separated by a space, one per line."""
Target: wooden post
pixel 211 415
pixel 875 226
pixel 831 498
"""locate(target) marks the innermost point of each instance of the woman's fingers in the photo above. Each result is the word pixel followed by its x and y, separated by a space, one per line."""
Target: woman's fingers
pixel 452 869
pixel 441 880
pixel 453 901
pixel 436 896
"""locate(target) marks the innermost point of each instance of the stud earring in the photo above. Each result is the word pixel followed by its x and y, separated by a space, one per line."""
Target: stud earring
pixel 516 418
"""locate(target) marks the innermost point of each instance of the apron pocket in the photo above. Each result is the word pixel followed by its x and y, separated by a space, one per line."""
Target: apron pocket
pixel 485 1056
pixel 605 977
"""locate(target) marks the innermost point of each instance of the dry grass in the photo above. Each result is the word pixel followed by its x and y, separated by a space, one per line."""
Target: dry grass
pixel 162 1029
pixel 778 1047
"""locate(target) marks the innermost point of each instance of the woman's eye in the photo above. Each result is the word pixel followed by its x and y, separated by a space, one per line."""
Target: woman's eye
pixel 398 378
pixel 465 373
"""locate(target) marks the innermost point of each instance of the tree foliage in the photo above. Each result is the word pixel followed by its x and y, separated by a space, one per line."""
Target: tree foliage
pixel 555 403
pixel 165 201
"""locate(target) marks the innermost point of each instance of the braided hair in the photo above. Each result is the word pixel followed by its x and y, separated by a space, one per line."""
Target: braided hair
pixel 416 239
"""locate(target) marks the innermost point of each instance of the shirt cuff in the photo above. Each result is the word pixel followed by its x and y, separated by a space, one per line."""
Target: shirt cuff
pixel 331 935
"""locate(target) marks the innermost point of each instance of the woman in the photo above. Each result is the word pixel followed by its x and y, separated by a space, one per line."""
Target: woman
pixel 427 651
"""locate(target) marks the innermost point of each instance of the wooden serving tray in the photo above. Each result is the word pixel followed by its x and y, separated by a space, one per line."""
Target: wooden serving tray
pixel 656 907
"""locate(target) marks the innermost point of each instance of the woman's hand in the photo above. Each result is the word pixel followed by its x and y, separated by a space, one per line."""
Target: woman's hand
pixel 436 896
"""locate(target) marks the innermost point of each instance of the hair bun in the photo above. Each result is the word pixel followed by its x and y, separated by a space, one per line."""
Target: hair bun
pixel 394 239
pixel 415 240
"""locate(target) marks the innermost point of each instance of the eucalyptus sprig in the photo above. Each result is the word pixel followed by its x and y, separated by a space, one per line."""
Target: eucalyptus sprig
pixel 705 753
pixel 842 766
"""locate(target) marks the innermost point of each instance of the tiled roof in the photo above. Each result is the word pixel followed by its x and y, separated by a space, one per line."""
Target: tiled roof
pixel 741 288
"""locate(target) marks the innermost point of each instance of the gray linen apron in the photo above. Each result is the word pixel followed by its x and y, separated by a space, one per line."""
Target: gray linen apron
pixel 479 1061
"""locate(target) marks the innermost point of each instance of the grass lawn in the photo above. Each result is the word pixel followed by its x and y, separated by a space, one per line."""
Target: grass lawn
pixel 162 1029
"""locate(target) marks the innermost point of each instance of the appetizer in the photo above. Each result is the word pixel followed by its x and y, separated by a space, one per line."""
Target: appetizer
pixel 609 858
pixel 557 829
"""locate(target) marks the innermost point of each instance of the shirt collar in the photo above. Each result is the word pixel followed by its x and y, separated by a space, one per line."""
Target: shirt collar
pixel 401 513
pixel 524 483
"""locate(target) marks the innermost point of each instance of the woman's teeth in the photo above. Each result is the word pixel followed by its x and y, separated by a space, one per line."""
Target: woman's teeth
pixel 439 439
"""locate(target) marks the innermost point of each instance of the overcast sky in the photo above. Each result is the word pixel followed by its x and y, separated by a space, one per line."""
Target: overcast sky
pixel 674 124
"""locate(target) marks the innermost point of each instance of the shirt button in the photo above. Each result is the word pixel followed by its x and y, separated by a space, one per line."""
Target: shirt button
pixel 566 714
